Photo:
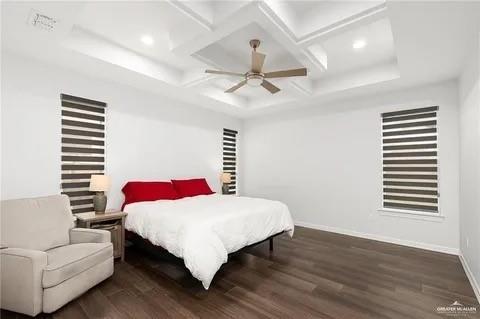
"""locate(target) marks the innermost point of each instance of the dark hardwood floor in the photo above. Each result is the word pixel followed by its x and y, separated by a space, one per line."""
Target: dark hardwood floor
pixel 314 275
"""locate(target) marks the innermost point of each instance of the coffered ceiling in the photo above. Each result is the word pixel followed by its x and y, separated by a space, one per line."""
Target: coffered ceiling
pixel 189 36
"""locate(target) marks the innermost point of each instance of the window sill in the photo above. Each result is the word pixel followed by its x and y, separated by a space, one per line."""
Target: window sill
pixel 411 214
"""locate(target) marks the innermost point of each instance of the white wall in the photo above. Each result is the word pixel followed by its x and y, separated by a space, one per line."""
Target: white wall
pixel 148 136
pixel 469 93
pixel 325 163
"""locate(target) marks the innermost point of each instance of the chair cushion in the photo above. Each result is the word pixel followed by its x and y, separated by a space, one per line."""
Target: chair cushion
pixel 68 261
pixel 40 223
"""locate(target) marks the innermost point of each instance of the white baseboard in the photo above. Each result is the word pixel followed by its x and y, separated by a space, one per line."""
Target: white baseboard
pixel 442 249
pixel 471 278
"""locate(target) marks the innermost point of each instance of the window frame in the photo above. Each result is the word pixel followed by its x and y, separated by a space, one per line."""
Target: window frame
pixel 412 213
pixel 231 131
pixel 73 99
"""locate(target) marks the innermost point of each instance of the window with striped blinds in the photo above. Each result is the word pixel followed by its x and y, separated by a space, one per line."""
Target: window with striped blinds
pixel 410 159
pixel 83 148
pixel 230 157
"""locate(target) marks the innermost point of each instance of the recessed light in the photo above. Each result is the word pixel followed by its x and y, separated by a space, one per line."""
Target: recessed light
pixel 359 44
pixel 147 40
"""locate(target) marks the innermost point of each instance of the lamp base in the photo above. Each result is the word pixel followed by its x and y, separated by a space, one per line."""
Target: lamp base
pixel 225 189
pixel 99 203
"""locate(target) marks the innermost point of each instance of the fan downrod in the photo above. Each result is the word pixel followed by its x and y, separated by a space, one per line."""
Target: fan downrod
pixel 255 43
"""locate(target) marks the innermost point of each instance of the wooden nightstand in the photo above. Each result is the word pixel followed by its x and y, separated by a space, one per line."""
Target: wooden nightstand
pixel 111 221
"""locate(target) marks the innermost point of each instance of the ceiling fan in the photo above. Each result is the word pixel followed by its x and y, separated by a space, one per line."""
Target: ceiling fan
pixel 255 77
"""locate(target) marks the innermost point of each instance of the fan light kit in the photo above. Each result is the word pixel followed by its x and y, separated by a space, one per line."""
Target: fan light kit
pixel 255 77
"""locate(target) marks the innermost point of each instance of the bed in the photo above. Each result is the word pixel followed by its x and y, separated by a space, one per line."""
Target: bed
pixel 204 229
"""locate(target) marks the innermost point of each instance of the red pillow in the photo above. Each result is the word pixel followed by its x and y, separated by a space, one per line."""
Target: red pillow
pixel 192 187
pixel 148 191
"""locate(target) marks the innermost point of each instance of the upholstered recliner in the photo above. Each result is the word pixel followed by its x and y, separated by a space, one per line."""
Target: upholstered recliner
pixel 45 262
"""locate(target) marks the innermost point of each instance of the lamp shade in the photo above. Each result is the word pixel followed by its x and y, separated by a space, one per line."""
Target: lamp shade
pixel 226 178
pixel 99 183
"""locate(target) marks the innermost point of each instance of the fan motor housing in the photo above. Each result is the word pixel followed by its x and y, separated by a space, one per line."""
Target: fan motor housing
pixel 255 43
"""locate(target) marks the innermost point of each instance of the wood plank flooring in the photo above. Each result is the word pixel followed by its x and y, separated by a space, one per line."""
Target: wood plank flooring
pixel 314 275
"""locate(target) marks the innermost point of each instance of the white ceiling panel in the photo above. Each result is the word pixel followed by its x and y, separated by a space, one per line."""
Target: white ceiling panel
pixel 407 43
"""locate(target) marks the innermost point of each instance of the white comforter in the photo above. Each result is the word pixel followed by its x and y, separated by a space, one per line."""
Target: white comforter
pixel 203 230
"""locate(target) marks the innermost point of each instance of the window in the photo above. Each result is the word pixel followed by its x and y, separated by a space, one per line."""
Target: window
pixel 83 148
pixel 230 157
pixel 410 160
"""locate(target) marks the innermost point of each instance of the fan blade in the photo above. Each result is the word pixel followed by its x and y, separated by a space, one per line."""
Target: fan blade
pixel 224 73
pixel 257 61
pixel 270 87
pixel 286 73
pixel 236 87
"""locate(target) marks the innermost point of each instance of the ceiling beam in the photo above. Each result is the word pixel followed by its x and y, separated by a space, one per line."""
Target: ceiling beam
pixel 91 44
pixel 192 14
pixel 272 23
pixel 187 45
pixel 353 22
pixel 302 85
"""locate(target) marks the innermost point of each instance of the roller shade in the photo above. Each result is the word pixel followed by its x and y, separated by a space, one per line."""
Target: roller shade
pixel 230 157
pixel 83 148
pixel 410 159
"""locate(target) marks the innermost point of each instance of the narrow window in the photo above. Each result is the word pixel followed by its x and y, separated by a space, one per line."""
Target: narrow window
pixel 230 157
pixel 410 160
pixel 83 148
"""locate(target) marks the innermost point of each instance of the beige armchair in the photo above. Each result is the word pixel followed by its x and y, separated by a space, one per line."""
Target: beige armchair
pixel 45 262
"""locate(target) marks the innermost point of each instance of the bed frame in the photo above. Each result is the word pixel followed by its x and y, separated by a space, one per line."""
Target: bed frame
pixel 159 252
pixel 145 243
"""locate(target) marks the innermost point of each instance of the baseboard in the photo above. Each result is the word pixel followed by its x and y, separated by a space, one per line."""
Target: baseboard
pixel 441 249
pixel 471 278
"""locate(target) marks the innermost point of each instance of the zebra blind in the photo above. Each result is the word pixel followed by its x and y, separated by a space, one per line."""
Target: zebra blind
pixel 230 157
pixel 410 159
pixel 83 148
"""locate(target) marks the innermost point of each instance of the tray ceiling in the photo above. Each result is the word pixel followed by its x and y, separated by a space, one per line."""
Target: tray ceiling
pixel 190 36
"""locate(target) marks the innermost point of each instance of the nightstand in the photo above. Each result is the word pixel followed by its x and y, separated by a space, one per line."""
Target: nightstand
pixel 114 222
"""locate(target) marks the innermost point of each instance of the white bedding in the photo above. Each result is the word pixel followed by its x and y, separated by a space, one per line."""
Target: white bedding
pixel 203 230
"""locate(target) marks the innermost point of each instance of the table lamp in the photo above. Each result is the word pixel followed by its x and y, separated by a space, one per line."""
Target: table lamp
pixel 99 184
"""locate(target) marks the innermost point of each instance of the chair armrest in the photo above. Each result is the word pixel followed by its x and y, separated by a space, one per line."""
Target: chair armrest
pixel 21 280
pixel 87 235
